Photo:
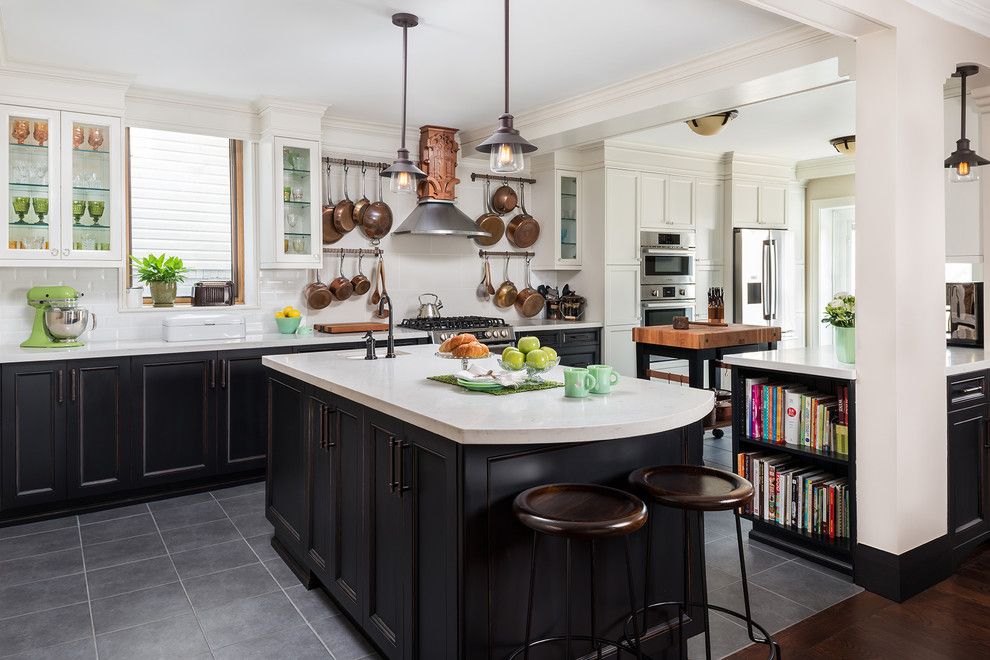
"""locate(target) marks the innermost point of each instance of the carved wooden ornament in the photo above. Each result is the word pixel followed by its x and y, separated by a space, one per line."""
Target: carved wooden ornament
pixel 438 158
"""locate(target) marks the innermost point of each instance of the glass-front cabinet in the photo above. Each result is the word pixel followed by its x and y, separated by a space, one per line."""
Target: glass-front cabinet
pixel 62 186
pixel 292 239
pixel 559 201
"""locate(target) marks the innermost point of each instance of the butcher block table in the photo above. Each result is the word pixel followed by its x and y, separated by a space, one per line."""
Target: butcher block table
pixel 699 343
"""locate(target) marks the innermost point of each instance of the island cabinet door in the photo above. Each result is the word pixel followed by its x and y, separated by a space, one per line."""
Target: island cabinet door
pixel 428 483
pixel 33 434
pixel 242 417
pixel 387 555
pixel 98 421
pixel 346 483
pixel 969 484
pixel 175 416
pixel 320 417
pixel 286 490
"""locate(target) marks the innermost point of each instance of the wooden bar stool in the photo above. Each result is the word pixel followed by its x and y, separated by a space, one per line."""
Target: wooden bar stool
pixel 693 488
pixel 585 512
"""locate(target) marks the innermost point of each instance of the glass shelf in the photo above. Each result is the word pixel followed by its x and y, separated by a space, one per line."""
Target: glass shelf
pixel 290 233
pixel 90 152
pixel 28 185
pixel 83 189
pixel 28 225
pixel 75 226
pixel 298 203
pixel 288 171
pixel 570 219
pixel 563 194
pixel 14 145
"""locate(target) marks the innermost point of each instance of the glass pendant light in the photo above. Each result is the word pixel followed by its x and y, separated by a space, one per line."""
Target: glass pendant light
pixel 505 146
pixel 962 162
pixel 403 175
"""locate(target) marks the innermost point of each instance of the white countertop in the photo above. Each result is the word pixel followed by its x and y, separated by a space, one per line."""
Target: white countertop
pixel 399 387
pixel 546 324
pixel 818 361
pixel 960 360
pixel 106 349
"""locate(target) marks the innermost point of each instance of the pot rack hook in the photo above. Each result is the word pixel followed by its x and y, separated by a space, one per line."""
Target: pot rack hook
pixel 364 168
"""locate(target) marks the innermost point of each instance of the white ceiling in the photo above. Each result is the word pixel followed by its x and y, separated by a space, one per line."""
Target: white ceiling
pixel 346 53
pixel 796 127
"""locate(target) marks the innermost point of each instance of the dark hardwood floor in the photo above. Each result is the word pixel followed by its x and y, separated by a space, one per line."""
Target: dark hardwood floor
pixel 950 620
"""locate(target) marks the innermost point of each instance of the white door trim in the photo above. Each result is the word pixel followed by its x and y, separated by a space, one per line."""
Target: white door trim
pixel 813 315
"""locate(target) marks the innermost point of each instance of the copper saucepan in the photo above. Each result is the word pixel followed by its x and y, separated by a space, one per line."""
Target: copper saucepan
pixel 341 287
pixel 504 199
pixel 361 206
pixel 377 220
pixel 506 293
pixel 523 230
pixel 360 282
pixel 317 294
pixel 343 212
pixel 529 301
pixel 489 221
pixel 330 233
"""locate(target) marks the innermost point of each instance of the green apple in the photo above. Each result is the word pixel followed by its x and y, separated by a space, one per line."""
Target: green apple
pixel 527 344
pixel 509 349
pixel 513 359
pixel 551 353
pixel 537 358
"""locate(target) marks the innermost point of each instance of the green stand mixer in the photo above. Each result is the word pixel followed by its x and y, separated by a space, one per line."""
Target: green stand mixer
pixel 58 320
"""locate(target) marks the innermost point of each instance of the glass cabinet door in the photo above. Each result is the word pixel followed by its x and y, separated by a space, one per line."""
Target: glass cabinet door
pixel 297 199
pixel 92 184
pixel 568 250
pixel 31 172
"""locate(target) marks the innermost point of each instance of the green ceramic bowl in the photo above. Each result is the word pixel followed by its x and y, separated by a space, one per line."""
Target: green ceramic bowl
pixel 288 326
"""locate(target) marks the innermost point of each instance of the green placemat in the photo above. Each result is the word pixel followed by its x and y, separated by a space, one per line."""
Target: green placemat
pixel 525 387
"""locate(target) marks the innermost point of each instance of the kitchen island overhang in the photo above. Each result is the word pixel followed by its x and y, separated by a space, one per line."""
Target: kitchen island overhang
pixel 395 494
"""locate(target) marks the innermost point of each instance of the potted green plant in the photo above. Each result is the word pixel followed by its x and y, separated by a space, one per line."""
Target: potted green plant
pixel 840 313
pixel 162 274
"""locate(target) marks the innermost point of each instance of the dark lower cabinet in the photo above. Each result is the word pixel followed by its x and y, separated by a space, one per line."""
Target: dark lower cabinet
pixel 347 505
pixel 969 484
pixel 319 481
pixel 286 491
pixel 98 449
pixel 576 348
pixel 242 418
pixel 33 434
pixel 175 410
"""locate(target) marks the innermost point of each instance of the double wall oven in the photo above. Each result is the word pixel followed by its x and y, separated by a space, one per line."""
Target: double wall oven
pixel 667 276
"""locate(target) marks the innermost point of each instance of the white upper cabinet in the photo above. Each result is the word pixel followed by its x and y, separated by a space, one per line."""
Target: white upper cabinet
pixel 773 204
pixel 745 203
pixel 562 204
pixel 621 217
pixel 291 209
pixel 758 203
pixel 708 220
pixel 680 202
pixel 652 200
pixel 62 188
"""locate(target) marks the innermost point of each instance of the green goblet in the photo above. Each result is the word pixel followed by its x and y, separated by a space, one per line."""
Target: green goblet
pixel 78 209
pixel 96 211
pixel 40 207
pixel 21 206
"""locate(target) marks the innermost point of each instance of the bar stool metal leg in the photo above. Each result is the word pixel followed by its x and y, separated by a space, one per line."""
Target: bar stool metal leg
pixel 704 590
pixel 649 569
pixel 567 594
pixel 685 586
pixel 632 599
pixel 594 595
pixel 532 592
pixel 745 587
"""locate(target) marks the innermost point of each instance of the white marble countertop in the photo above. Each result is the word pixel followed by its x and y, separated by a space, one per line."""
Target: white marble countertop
pixel 961 360
pixel 818 361
pixel 537 325
pixel 399 387
pixel 106 349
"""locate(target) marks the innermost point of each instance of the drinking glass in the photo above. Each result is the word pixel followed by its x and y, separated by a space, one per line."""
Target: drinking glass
pixel 41 132
pixel 78 209
pixel 20 129
pixel 96 209
pixel 95 138
pixel 21 206
pixel 40 207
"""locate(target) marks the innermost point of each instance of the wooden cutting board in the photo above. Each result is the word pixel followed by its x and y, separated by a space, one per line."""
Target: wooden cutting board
pixel 341 328
pixel 698 337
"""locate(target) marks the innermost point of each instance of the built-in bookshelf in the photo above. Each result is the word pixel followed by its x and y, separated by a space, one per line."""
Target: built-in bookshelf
pixel 811 471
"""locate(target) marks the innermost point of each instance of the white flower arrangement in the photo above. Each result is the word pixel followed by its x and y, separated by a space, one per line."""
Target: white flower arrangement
pixel 841 311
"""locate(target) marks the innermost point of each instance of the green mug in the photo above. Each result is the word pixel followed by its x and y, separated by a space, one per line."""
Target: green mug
pixel 605 376
pixel 578 383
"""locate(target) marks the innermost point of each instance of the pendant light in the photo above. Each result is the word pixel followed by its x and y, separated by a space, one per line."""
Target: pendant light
pixel 711 124
pixel 403 175
pixel 505 146
pixel 963 160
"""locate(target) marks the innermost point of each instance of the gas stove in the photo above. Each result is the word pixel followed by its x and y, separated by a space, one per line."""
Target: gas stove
pixel 488 330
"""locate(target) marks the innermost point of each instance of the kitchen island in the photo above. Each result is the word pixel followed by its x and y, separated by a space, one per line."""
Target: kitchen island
pixel 395 494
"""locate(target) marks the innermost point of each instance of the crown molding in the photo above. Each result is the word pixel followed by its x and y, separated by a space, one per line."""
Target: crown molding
pixel 164 109
pixel 823 168
pixel 3 42
pixel 776 46
pixel 970 14
pixel 61 88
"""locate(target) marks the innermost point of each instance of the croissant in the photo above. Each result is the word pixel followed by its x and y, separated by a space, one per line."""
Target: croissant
pixel 473 349
pixel 455 341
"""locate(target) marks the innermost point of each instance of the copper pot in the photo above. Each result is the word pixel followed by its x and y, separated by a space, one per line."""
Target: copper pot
pixel 362 204
pixel 360 282
pixel 506 293
pixel 341 287
pixel 504 199
pixel 343 212
pixel 529 301
pixel 489 221
pixel 317 294
pixel 377 220
pixel 330 233
pixel 523 230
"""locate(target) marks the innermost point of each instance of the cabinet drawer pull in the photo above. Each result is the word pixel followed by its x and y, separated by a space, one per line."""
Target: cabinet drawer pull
pixel 60 386
pixel 213 374
pixel 72 384
pixel 323 426
pixel 400 481
pixel 223 373
pixel 391 463
pixel 331 419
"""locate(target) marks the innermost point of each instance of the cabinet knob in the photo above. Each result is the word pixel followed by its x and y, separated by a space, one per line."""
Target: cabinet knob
pixel 65 251
pixel 54 252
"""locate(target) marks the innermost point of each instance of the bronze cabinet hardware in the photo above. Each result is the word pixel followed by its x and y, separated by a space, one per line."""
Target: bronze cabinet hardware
pixel 213 374
pixel 400 485
pixel 72 384
pixel 223 373
pixel 391 463
pixel 60 386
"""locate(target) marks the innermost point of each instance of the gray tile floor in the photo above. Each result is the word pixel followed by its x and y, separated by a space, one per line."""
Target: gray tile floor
pixel 188 577
pixel 196 577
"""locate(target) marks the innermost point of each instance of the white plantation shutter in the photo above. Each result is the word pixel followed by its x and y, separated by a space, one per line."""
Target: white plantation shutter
pixel 181 201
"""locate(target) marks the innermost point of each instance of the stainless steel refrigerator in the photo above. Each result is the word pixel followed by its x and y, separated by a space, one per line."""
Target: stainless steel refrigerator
pixel 763 287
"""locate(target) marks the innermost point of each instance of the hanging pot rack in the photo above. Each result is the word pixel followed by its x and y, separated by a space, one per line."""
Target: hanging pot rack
pixel 484 254
pixel 499 177
pixel 367 164
pixel 373 252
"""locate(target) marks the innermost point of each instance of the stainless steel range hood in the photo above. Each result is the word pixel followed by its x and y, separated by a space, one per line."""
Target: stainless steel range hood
pixel 436 214
pixel 439 217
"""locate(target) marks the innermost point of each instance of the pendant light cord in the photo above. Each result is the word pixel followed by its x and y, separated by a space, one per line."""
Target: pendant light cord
pixel 506 56
pixel 405 69
pixel 962 99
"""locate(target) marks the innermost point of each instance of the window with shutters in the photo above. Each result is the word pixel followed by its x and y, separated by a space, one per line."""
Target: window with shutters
pixel 185 198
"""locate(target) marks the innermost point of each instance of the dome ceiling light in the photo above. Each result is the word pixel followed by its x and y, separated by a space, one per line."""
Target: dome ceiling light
pixel 845 145
pixel 711 124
